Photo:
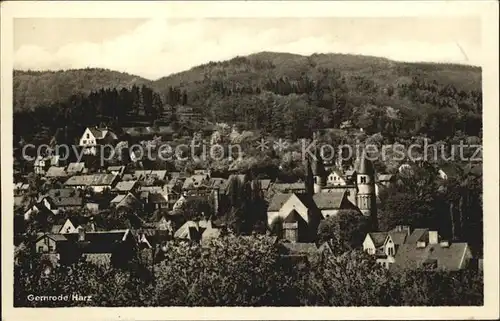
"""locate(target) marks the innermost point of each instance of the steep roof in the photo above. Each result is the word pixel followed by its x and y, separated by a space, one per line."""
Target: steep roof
pixel 293 217
pixel 398 238
pixel 417 235
pixel 157 198
pixel 99 242
pixel 125 185
pixel 365 166
pixel 189 230
pixel 75 167
pixel 277 201
pixel 54 171
pixel 264 183
pixel 300 248
pixel 331 200
pixel 282 187
pixel 91 180
pixel 378 238
pixel 409 256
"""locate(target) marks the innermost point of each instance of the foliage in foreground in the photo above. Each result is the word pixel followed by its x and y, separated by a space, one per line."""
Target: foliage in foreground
pixel 244 271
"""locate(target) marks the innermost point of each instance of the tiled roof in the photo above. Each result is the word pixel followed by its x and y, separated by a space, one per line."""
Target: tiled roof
pixel 417 235
pixel 54 171
pixel 189 230
pixel 398 238
pixel 331 200
pixel 293 217
pixel 378 238
pixel 56 228
pixel 300 248
pixel 277 201
pixel 67 201
pixel 117 199
pixel 125 185
pixel 99 242
pixel 384 177
pixel 91 180
pixel 264 183
pixel 282 187
pixel 157 198
pixel 411 257
pixel 75 167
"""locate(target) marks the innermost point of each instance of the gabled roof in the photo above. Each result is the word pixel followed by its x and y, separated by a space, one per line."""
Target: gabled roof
pixel 157 198
pixel 325 201
pixel 364 166
pixel 384 177
pixel 99 242
pixel 300 248
pixel 75 167
pixel 125 186
pixel 417 235
pixel 67 201
pixel 56 228
pixel 378 238
pixel 293 217
pixel 282 187
pixel 398 238
pixel 188 230
pixel 55 237
pixel 277 201
pixel 128 200
pixel 54 171
pixel 91 180
pixel 264 183
pixel 448 258
pixel 100 133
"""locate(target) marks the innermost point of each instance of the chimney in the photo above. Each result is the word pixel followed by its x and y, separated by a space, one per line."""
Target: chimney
pixel 433 237
pixel 444 244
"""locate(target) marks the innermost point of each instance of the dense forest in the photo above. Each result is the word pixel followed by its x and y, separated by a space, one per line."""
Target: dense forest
pixel 283 95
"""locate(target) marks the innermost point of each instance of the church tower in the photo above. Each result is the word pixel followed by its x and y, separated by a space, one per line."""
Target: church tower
pixel 319 172
pixel 365 181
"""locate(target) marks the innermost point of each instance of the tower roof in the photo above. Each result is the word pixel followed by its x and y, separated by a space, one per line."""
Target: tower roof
pixel 364 166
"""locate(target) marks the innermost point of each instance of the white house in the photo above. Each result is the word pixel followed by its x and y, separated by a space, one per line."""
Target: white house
pixel 336 178
pixel 93 137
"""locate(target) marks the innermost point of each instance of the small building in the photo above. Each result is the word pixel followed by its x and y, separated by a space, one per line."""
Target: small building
pixel 48 243
pixel 94 137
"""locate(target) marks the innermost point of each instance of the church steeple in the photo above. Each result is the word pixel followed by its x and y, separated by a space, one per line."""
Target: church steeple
pixel 318 171
pixel 309 180
pixel 365 179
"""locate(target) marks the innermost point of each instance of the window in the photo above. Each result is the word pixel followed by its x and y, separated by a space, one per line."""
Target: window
pixel 88 135
pixel 51 248
pixel 84 141
pixel 363 179
pixel 390 251
pixel 40 249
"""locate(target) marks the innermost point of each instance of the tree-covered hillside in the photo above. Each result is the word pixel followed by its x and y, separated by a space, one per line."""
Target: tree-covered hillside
pixel 33 89
pixel 290 96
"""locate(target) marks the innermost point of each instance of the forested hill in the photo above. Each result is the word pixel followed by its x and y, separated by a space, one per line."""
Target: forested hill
pixel 282 94
pixel 33 89
pixel 257 68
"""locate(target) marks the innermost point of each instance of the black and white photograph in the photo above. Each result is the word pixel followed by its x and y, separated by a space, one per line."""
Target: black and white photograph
pixel 249 161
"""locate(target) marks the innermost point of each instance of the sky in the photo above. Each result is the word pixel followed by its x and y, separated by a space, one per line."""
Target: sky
pixel 154 48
